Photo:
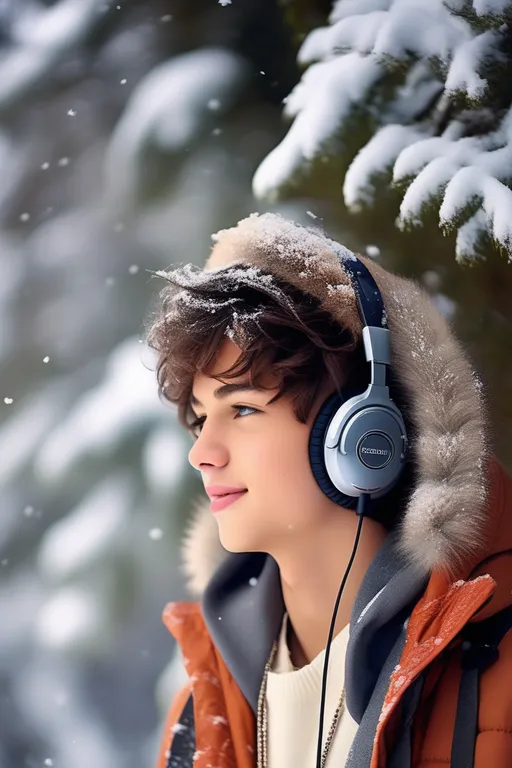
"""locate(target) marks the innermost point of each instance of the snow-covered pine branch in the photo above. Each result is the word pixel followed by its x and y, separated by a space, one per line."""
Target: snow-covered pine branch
pixel 431 77
pixel 40 36
pixel 174 104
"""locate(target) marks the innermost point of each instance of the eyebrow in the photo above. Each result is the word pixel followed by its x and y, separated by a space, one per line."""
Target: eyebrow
pixel 228 389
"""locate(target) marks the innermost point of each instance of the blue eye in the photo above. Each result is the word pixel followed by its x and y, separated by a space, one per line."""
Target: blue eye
pixel 196 425
pixel 241 408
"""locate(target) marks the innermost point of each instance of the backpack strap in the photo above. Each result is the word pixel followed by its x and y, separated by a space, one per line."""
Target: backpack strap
pixel 480 649
pixel 183 747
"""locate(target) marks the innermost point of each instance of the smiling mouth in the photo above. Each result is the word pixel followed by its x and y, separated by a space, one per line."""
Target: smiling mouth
pixel 221 501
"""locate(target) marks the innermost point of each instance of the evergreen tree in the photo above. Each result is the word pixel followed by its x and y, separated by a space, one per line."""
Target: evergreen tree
pixel 415 94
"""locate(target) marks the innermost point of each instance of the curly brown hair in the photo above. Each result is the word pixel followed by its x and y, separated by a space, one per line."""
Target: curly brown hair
pixel 278 328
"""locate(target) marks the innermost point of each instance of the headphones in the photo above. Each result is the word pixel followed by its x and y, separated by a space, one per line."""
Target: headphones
pixel 358 442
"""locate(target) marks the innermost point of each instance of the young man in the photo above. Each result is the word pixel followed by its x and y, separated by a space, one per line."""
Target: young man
pixel 263 352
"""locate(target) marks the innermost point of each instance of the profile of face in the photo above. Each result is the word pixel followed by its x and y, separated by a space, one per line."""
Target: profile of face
pixel 245 443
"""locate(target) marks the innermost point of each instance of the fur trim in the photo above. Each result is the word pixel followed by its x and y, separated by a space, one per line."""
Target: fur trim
pixel 444 522
pixel 294 254
pixel 202 551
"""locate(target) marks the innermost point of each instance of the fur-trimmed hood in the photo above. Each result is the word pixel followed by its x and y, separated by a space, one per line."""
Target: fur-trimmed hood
pixel 444 523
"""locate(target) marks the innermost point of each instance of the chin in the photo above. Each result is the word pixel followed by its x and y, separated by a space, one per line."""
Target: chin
pixel 235 543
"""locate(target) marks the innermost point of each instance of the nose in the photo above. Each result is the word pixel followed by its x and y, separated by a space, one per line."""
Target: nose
pixel 208 450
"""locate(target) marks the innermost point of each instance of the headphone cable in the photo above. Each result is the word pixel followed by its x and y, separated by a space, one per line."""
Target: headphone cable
pixel 362 505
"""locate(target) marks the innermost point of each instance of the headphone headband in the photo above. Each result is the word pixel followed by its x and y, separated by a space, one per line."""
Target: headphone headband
pixel 369 299
pixel 373 316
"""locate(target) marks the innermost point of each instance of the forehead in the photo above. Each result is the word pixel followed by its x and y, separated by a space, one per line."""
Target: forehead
pixel 207 383
pixel 225 357
pixel 227 354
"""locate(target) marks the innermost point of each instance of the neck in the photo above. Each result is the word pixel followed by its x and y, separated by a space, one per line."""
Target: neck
pixel 311 572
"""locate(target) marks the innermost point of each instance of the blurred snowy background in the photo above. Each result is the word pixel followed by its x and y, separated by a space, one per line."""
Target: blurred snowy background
pixel 130 130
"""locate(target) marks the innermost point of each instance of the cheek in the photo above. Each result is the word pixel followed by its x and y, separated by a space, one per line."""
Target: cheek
pixel 282 474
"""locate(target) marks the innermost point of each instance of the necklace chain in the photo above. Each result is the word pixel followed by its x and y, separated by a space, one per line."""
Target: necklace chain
pixel 262 720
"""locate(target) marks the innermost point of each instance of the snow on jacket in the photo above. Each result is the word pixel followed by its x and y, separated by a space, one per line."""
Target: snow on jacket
pixel 429 660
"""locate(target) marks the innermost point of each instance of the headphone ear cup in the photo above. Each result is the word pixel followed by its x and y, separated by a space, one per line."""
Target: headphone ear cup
pixel 316 451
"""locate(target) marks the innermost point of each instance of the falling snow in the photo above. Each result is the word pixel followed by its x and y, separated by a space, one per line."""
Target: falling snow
pixel 373 251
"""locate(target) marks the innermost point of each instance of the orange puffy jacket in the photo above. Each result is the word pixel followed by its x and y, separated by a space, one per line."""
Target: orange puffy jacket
pixel 225 724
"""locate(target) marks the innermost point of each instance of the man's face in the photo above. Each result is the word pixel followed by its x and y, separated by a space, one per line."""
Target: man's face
pixel 260 450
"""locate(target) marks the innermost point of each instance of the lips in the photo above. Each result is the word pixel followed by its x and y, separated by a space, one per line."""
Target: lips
pixel 221 500
pixel 222 490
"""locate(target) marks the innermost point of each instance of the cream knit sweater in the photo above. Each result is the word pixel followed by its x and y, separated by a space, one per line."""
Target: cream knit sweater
pixel 293 702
